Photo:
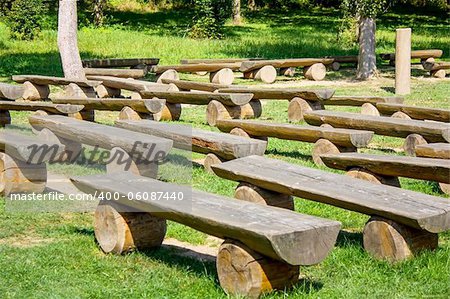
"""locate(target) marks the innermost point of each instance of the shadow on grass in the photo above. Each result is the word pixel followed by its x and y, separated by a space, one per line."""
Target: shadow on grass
pixel 346 239
pixel 290 154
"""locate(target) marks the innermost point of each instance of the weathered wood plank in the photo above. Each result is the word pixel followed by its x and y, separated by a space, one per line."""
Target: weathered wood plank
pixel 248 66
pixel 342 137
pixel 361 100
pixel 119 62
pixel 226 146
pixel 410 167
pixel 107 137
pixel 35 106
pixel 200 67
pixel 120 73
pixel 387 126
pixel 435 53
pixel 10 91
pixel 296 239
pixel 199 98
pixel 282 93
pixel 131 84
pixel 47 80
pixel 191 85
pixel 344 59
pixel 216 60
pixel 413 209
pixel 434 150
pixel 154 105
pixel 415 112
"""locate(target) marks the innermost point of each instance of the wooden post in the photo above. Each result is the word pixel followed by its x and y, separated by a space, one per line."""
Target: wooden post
pixel 403 61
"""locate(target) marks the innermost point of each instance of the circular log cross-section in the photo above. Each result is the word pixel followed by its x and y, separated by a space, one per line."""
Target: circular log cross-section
pixel 445 188
pixel 242 133
pixel 249 192
pixel 335 66
pixel 204 73
pixel 73 90
pixel 21 177
pixel 126 231
pixel 34 92
pixel 427 61
pixel 107 92
pixel 369 109
pixel 298 107
pixel 72 149
pixel 120 161
pixel 170 112
pixel 411 141
pixel 316 72
pixel 324 146
pixel 287 71
pixel 5 118
pixel 224 76
pixel 389 240
pixel 266 74
pixel 169 74
pixel 438 73
pixel 401 115
pixel 211 159
pixel 87 115
pixel 363 174
pixel 128 113
pixel 244 272
pixel 216 110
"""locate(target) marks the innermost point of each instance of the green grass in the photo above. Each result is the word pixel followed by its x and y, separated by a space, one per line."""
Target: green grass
pixel 55 255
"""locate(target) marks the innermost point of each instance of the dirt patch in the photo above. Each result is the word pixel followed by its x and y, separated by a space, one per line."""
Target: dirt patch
pixel 25 241
pixel 202 253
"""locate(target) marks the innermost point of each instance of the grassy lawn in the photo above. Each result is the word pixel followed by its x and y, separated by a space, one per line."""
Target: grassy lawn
pixel 54 254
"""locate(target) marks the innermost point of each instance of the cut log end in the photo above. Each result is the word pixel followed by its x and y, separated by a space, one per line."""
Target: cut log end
pixel 171 112
pixel 244 272
pixel 126 231
pixel 74 91
pixel 5 118
pixel 363 174
pixel 287 71
pixel 107 92
pixel 266 74
pixel 242 133
pixel 401 115
pixel 411 141
pixel 369 109
pixel 169 74
pixel 216 110
pixel 438 74
pixel 224 76
pixel 445 188
pixel 389 240
pixel 34 92
pixel 87 115
pixel 72 149
pixel 324 146
pixel 315 72
pixel 335 66
pixel 211 159
pixel 249 192
pixel 120 161
pixel 298 107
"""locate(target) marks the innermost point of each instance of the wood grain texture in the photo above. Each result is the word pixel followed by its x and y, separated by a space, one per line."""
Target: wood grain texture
pixel 35 92
pixel 247 66
pixel 11 92
pixel 316 72
pixel 35 106
pixel 282 93
pixel 215 60
pixel 132 84
pixel 199 98
pixel 48 80
pixel 191 85
pixel 223 77
pixel 119 62
pixel 281 234
pixel 434 150
pixel 216 111
pixel 416 112
pixel 121 73
pixel 361 100
pixel 413 209
pixel 388 126
pixel 249 192
pixel 435 53
pixel 192 68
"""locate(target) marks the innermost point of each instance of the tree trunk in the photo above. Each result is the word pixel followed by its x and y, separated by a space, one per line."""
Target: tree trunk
pixel 67 40
pixel 367 62
pixel 99 17
pixel 252 5
pixel 236 12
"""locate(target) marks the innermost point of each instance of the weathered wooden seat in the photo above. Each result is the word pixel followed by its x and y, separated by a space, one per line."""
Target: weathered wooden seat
pixel 410 112
pixel 217 146
pixel 216 60
pixel 23 162
pixel 120 62
pixel 434 150
pixel 192 85
pixel 263 245
pixel 142 152
pixel 327 140
pixel 338 60
pixel 120 73
pixel 424 55
pixel 415 131
pixel 10 91
pixel 281 93
pixel 402 221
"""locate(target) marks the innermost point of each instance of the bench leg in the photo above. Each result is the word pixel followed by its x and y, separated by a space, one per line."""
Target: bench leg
pixel 438 74
pixel 120 161
pixel 211 159
pixel 242 133
pixel 266 74
pixel 72 149
pixel 389 240
pixel 363 174
pixel 298 107
pixel 107 92
pixel 401 115
pixel 315 72
pixel 121 232
pixel 34 92
pixel 21 177
pixel 335 66
pixel 224 76
pixel 287 71
pixel 5 118
pixel 217 110
pixel 171 112
pixel 369 109
pixel 87 115
pixel 73 90
pixel 169 74
pixel 445 188
pixel 128 113
pixel 249 192
pixel 411 141
pixel 324 146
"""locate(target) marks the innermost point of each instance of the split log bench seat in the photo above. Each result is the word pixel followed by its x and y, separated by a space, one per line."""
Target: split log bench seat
pixel 216 60
pixel 37 87
pixel 23 162
pixel 437 151
pixel 47 108
pixel 218 147
pixel 338 60
pixel 219 105
pixel 437 69
pixel 11 92
pixel 415 131
pixel 424 56
pixel 120 73
pixel 192 85
pixel 265 70
pixel 141 152
pixel 386 169
pixel 402 221
pixel 138 63
pixel 409 112
pixel 263 246
pixel 327 140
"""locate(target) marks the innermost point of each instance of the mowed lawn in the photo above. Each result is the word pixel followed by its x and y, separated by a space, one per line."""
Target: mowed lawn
pixel 54 255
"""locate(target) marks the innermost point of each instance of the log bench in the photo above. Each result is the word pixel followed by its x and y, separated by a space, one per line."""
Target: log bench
pixel 326 140
pixel 23 162
pixel 424 56
pixel 217 147
pixel 385 169
pixel 408 112
pixel 37 87
pixel 438 151
pixel 338 60
pixel 192 85
pixel 263 246
pixel 402 222
pixel 47 108
pixel 120 73
pixel 416 132
pixel 216 60
pixel 11 92
pixel 137 152
pixel 437 69
pixel 265 70
pixel 138 63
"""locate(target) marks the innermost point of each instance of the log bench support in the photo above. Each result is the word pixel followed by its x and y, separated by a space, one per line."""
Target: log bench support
pixel 298 107
pixel 315 72
pixel 107 92
pixel 169 74
pixel 266 74
pixel 216 110
pixel 325 146
pixel 224 76
pixel 73 90
pixel 411 141
pixel 121 161
pixel 5 118
pixel 170 112
pixel 72 149
pixel 287 71
pixel 364 174
pixel 35 92
pixel 88 115
pixel 249 192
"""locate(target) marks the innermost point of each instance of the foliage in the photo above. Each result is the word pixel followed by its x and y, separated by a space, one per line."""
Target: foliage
pixel 25 18
pixel 365 8
pixel 209 18
pixel 5 7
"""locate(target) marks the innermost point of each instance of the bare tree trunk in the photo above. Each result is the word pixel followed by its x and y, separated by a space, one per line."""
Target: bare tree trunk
pixel 367 61
pixel 236 12
pixel 99 17
pixel 252 5
pixel 67 40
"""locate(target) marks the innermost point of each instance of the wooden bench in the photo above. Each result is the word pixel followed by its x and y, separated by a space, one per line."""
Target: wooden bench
pixel 23 162
pixel 216 60
pixel 218 147
pixel 437 151
pixel 265 70
pixel 415 131
pixel 327 140
pixel 139 152
pixel 120 73
pixel 263 246
pixel 192 85
pixel 338 60
pixel 49 108
pixel 408 112
pixel 37 87
pixel 386 169
pixel 437 69
pixel 11 92
pixel 120 62
pixel 423 55
pixel 402 221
